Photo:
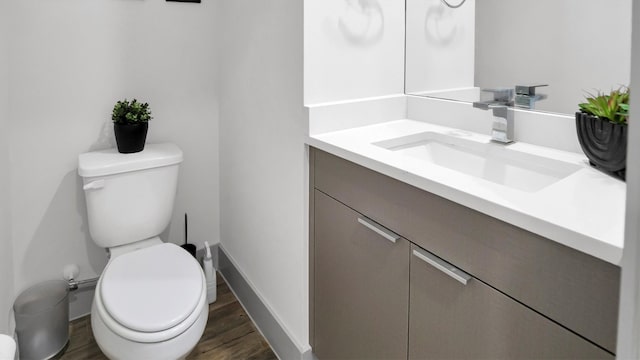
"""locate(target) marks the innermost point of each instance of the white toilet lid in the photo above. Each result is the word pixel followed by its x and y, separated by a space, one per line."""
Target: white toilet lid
pixel 152 289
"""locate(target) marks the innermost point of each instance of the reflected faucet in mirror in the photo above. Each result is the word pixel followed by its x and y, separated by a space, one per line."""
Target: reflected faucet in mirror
pixel 526 96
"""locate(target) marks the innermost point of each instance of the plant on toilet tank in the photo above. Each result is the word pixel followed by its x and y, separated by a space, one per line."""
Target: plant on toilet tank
pixel 130 125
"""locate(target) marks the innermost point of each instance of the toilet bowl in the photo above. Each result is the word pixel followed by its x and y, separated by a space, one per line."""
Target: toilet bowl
pixel 136 312
pixel 150 301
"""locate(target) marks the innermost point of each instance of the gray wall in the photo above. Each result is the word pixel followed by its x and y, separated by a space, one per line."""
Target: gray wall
pixel 6 246
pixel 572 45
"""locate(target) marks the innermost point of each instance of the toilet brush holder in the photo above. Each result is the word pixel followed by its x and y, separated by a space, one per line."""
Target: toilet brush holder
pixel 7 347
pixel 209 274
pixel 191 248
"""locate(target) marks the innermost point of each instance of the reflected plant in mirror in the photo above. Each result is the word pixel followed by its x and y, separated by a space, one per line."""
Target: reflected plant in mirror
pixel 572 46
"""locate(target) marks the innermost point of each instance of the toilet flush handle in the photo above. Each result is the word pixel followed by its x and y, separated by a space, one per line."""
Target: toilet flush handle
pixel 94 185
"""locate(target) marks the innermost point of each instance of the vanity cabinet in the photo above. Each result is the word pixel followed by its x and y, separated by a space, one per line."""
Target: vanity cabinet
pixel 471 320
pixel 361 286
pixel 525 296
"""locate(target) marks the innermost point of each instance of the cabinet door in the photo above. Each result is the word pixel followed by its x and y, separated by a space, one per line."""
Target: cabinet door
pixel 361 286
pixel 449 319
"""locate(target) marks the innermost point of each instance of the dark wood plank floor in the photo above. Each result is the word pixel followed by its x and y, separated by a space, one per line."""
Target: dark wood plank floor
pixel 229 334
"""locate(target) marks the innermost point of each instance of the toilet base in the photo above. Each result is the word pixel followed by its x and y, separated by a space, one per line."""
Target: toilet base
pixel 117 347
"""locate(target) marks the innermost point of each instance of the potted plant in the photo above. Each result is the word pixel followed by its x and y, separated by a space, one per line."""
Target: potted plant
pixel 130 125
pixel 602 130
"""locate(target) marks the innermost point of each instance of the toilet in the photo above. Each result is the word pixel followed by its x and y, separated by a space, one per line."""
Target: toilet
pixel 150 301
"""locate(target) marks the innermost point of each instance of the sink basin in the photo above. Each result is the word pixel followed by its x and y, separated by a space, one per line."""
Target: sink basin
pixel 496 163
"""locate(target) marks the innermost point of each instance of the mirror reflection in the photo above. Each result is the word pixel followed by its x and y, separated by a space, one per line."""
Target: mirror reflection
pixel 572 47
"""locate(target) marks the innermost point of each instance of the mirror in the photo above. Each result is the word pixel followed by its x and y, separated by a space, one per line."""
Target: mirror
pixel 573 46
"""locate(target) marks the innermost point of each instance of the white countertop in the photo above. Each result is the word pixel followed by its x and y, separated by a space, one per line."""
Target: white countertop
pixel 584 211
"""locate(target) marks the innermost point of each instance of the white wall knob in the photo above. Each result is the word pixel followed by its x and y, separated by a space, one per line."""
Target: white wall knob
pixel 70 271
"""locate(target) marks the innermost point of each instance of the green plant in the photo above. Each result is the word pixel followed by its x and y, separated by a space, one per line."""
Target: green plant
pixel 613 106
pixel 134 112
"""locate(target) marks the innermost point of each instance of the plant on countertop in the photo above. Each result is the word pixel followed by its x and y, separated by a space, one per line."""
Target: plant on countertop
pixel 125 112
pixel 602 130
pixel 613 106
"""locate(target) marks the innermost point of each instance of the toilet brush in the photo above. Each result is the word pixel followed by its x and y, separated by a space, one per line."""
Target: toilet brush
pixel 189 247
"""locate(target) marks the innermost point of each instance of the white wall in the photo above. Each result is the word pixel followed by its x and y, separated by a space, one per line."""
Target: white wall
pixel 352 49
pixel 262 154
pixel 70 61
pixel 440 45
pixel 629 316
pixel 6 246
pixel 572 45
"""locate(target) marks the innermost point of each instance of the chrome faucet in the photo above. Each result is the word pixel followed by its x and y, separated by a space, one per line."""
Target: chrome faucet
pixel 502 127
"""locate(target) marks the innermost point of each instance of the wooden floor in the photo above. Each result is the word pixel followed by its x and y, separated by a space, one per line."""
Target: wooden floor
pixel 229 334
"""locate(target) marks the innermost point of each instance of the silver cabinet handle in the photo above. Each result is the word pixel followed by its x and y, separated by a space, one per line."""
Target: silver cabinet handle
pixel 385 233
pixel 443 266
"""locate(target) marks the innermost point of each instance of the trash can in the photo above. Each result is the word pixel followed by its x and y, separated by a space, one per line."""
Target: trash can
pixel 42 320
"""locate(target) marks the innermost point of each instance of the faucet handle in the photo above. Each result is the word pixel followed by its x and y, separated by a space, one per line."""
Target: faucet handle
pixel 529 90
pixel 503 95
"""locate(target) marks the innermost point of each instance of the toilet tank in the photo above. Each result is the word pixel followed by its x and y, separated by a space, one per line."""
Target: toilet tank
pixel 129 196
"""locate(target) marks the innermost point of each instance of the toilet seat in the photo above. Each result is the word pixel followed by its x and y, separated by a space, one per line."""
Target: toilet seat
pixel 152 294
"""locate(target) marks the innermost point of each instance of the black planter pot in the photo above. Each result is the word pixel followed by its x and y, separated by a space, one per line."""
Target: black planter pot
pixel 604 143
pixel 130 138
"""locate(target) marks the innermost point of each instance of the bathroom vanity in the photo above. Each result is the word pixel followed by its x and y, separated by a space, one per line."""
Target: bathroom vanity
pixel 398 272
pixel 432 241
pixel 428 239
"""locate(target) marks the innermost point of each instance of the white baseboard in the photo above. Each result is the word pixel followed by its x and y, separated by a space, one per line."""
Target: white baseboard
pixel 267 323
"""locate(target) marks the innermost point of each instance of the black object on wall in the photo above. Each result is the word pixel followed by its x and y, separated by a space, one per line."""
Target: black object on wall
pixel 193 1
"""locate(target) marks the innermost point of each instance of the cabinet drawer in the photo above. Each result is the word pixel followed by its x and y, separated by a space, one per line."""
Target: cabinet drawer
pixel 570 287
pixel 361 286
pixel 451 320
